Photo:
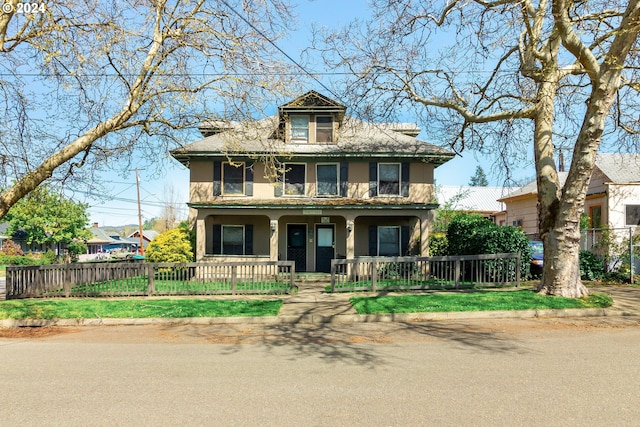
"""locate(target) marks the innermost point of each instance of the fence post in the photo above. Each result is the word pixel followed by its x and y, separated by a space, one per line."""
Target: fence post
pixel 457 274
pixel 517 269
pixel 292 273
pixel 151 279
pixel 234 279
pixel 67 281
pixel 333 275
pixel 374 276
pixel 631 260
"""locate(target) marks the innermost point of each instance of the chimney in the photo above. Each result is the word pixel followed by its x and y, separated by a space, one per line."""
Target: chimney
pixel 95 225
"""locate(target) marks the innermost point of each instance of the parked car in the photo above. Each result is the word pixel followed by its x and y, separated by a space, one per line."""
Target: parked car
pixel 537 256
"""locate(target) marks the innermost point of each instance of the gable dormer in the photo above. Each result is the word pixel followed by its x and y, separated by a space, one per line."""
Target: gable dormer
pixel 311 119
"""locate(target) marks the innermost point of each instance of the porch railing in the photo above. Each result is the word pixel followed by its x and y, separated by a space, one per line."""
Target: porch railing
pixel 137 278
pixel 406 273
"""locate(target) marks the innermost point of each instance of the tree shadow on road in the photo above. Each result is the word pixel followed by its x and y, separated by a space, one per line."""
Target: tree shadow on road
pixel 362 344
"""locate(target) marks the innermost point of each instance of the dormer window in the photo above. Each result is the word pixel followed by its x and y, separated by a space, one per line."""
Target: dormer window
pixel 300 128
pixel 324 129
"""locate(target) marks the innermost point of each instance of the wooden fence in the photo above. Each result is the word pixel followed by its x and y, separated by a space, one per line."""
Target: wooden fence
pixel 406 273
pixel 140 278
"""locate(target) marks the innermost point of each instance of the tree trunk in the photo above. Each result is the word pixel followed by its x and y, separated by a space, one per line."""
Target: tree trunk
pixel 561 272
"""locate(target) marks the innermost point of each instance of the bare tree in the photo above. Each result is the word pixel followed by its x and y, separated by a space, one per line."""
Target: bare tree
pixel 499 75
pixel 86 85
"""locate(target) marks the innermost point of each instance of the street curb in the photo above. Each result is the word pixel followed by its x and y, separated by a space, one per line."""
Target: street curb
pixel 318 319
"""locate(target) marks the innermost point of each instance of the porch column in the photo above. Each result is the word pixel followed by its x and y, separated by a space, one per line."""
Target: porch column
pixel 201 238
pixel 351 237
pixel 273 240
pixel 426 221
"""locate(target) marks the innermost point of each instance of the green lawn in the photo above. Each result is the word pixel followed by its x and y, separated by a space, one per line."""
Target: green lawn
pixel 473 301
pixel 3 270
pixel 138 308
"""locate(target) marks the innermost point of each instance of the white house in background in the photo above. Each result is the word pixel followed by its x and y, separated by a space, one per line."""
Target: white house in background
pixel 3 231
pixel 147 236
pixel 613 197
pixel 481 200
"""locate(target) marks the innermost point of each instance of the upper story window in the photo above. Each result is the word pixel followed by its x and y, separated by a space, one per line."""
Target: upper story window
pixel 324 129
pixel 632 214
pixel 595 216
pixel 300 128
pixel 327 179
pixel 233 179
pixel 294 179
pixel 389 179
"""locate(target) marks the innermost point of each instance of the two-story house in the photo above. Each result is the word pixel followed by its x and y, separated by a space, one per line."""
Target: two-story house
pixel 310 184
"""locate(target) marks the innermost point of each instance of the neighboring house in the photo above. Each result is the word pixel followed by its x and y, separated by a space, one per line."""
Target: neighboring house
pixel 339 187
pixel 147 236
pixel 3 232
pixel 613 196
pixel 480 200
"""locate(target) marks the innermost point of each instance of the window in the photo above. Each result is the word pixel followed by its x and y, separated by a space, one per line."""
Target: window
pixel 389 179
pixel 233 178
pixel 233 240
pixel 324 129
pixel 300 128
pixel 388 241
pixel 294 179
pixel 633 214
pixel 595 216
pixel 327 179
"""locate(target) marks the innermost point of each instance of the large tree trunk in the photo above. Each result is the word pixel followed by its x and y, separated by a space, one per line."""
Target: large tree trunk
pixel 561 272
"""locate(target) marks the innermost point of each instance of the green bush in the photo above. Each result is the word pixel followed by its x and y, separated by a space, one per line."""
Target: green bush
pixel 438 244
pixel 471 234
pixel 18 260
pixel 591 266
pixel 170 246
pixel 77 248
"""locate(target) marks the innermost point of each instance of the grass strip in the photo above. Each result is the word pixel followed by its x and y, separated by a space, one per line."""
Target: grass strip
pixel 135 309
pixel 474 301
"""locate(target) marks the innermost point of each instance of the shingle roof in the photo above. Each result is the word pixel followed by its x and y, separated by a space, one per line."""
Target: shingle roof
pixel 100 236
pixel 480 199
pixel 355 138
pixel 620 168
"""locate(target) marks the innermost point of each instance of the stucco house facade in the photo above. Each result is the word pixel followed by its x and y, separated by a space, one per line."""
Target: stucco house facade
pixel 310 184
pixel 613 197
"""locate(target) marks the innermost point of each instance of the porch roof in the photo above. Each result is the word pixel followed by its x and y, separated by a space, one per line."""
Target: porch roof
pixel 314 203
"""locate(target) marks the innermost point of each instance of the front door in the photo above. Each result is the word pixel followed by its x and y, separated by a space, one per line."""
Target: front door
pixel 297 245
pixel 325 247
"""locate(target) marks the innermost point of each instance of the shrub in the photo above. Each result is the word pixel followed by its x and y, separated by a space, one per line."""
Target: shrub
pixel 170 246
pixel 438 244
pixel 49 257
pixel 471 234
pixel 9 247
pixel 591 266
pixel 77 248
pixel 18 260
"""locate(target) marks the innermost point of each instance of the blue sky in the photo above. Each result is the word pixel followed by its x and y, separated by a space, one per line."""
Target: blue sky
pixel 122 206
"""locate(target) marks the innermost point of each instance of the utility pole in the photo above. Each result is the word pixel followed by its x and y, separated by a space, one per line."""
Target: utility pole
pixel 141 249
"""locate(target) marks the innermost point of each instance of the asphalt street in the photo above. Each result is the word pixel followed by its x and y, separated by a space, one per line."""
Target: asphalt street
pixel 538 372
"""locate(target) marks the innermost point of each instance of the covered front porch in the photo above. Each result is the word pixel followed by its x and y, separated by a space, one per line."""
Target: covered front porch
pixel 311 237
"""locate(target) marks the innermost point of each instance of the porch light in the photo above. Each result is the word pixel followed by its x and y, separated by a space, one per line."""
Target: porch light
pixel 349 226
pixel 274 225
